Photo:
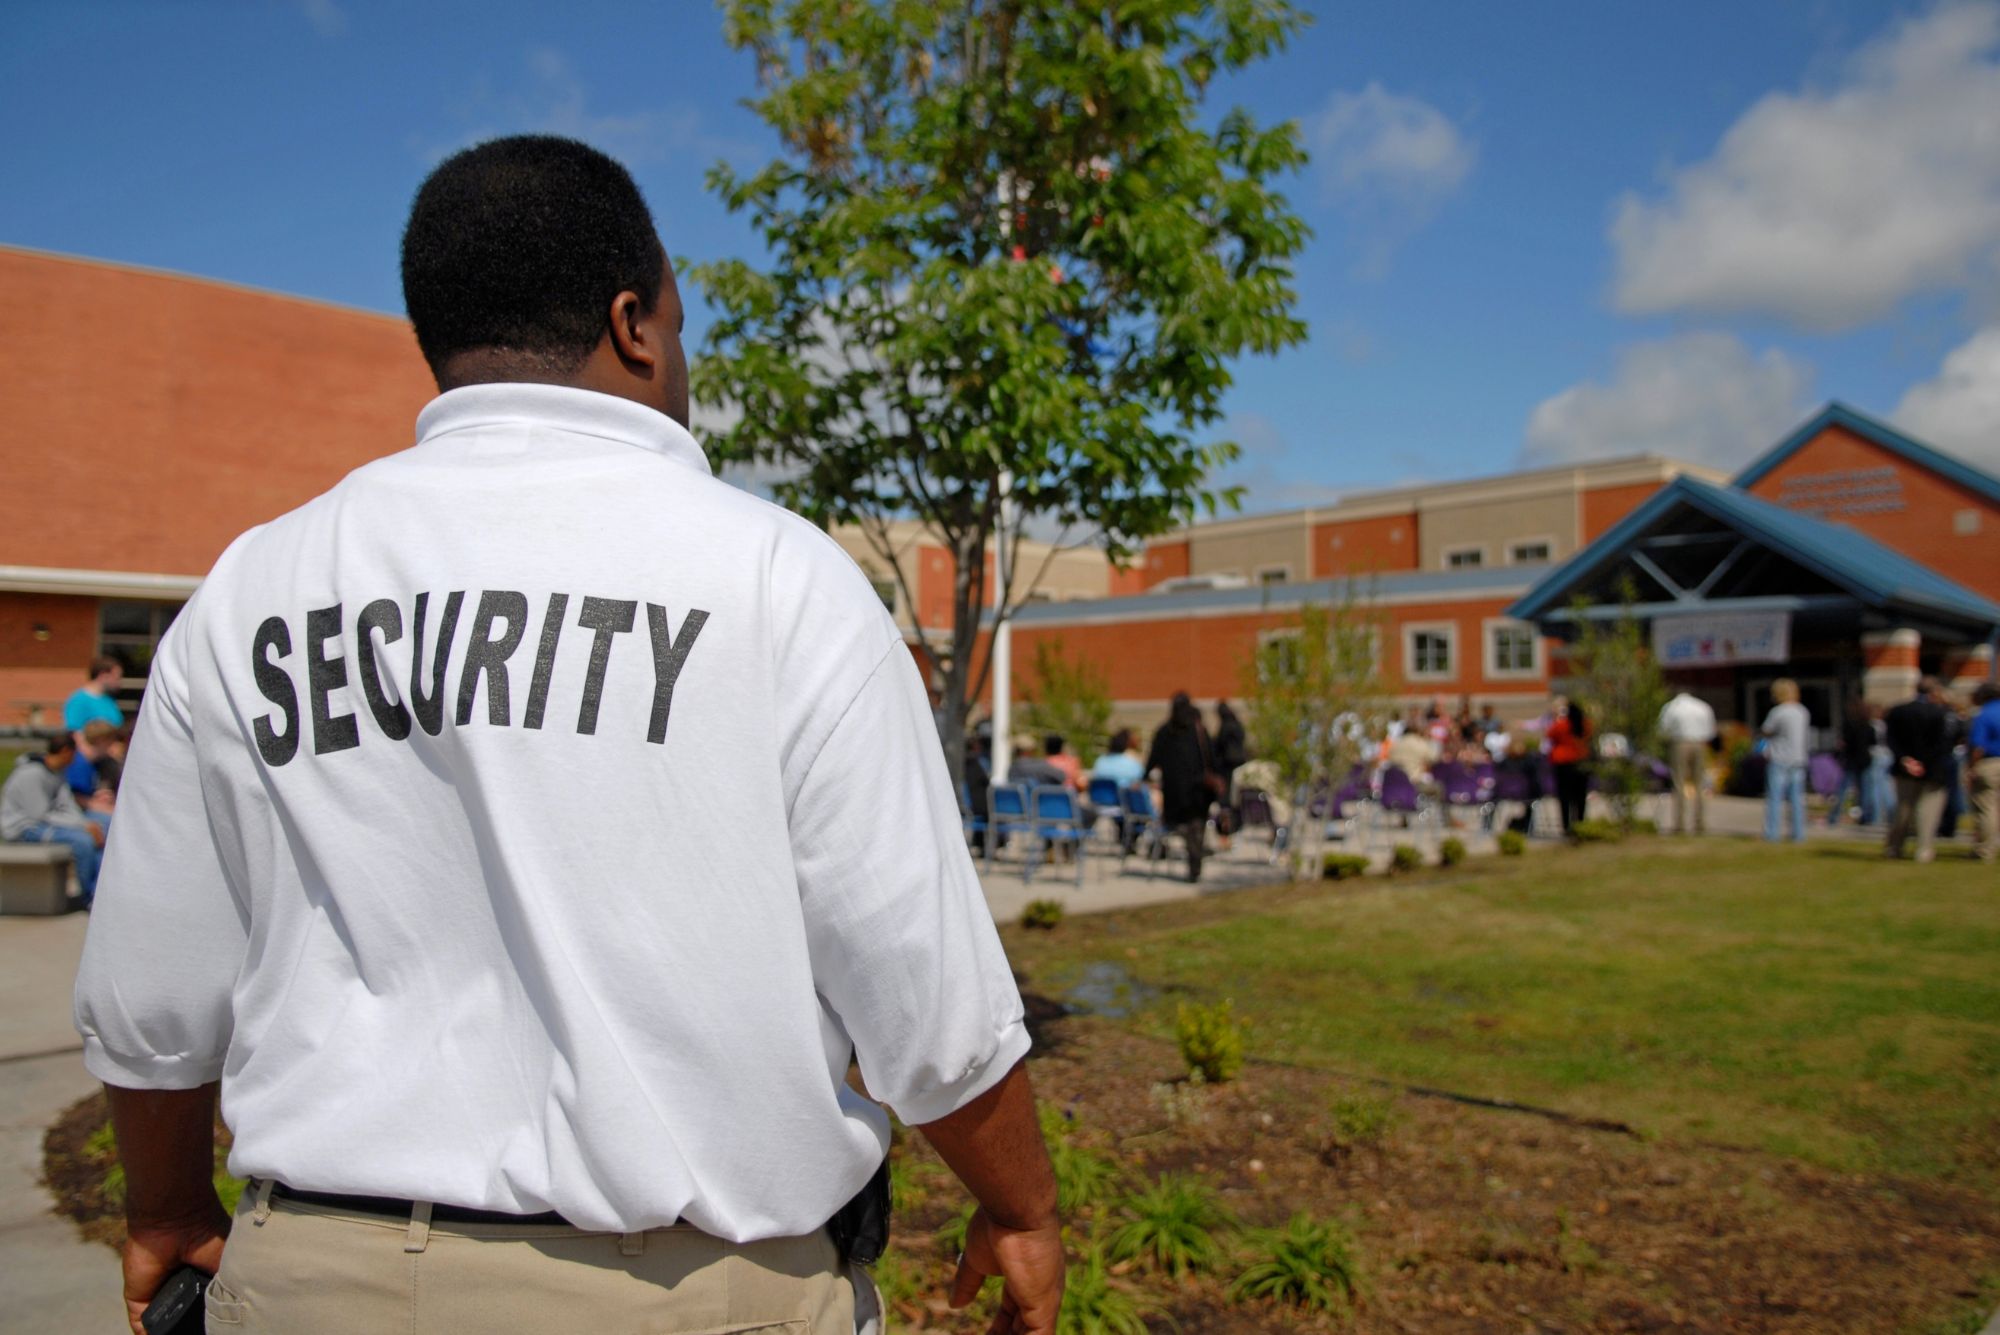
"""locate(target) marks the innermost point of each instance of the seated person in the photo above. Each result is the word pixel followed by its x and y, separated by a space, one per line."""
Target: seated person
pixel 37 807
pixel 1054 752
pixel 1029 767
pixel 86 773
pixel 1119 764
pixel 1413 752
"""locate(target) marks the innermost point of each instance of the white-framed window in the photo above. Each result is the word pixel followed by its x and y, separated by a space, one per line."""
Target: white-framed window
pixel 1430 651
pixel 1513 649
pixel 1464 558
pixel 1531 552
pixel 1274 575
pixel 1286 640
pixel 885 589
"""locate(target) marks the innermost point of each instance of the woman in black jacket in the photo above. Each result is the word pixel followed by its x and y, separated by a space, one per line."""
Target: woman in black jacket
pixel 1186 764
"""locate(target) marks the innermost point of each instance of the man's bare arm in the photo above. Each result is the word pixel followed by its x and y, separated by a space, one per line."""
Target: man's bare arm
pixel 995 1146
pixel 166 1141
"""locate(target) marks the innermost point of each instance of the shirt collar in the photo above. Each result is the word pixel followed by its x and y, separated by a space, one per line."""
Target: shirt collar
pixel 562 408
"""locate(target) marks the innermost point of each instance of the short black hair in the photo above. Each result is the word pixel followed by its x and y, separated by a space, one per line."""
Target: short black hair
pixel 521 244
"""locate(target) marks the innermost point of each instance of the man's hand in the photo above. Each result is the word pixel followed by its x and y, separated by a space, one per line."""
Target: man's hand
pixel 97 834
pixel 994 1144
pixel 166 1141
pixel 1913 767
pixel 1029 1263
pixel 154 1251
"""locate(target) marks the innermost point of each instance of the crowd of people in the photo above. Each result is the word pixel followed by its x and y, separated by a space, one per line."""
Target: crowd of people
pixel 65 791
pixel 1913 768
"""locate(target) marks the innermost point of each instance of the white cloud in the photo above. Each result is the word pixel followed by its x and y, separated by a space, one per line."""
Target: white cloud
pixel 1389 161
pixel 1701 397
pixel 1959 408
pixel 326 16
pixel 552 99
pixel 1259 468
pixel 1828 207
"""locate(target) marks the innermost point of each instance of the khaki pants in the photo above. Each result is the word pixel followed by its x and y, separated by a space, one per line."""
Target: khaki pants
pixel 1919 804
pixel 306 1270
pixel 1986 808
pixel 1690 764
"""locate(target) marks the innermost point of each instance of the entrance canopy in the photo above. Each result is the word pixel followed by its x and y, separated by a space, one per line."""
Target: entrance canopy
pixel 1696 548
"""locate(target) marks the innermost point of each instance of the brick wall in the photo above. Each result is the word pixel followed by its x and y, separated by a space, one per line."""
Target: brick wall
pixel 37 675
pixel 1954 531
pixel 1365 546
pixel 221 408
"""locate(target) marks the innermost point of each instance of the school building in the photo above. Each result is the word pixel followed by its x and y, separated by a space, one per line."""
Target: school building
pixel 1849 555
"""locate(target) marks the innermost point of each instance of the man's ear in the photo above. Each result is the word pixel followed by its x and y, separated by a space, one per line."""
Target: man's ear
pixel 628 335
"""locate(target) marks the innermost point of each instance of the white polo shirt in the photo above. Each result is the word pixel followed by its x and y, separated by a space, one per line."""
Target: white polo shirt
pixel 534 822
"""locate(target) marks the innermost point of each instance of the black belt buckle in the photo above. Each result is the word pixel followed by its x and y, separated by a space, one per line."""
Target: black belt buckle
pixel 860 1228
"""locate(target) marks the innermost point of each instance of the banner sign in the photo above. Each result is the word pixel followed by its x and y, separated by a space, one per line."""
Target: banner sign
pixel 1716 639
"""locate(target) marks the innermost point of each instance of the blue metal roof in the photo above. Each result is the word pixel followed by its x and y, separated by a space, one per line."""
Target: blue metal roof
pixel 1875 575
pixel 1496 581
pixel 1881 433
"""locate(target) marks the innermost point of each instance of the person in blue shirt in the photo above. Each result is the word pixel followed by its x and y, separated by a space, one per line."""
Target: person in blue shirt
pixel 93 700
pixel 1119 764
pixel 1982 754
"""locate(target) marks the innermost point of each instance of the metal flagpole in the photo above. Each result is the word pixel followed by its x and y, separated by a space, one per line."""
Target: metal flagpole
pixel 1002 753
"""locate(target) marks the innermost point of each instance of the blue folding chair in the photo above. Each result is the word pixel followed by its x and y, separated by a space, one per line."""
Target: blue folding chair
pixel 1142 824
pixel 1006 809
pixel 1058 823
pixel 973 821
pixel 1100 800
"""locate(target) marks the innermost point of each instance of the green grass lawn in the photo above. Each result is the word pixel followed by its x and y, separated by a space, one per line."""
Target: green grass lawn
pixel 1815 1002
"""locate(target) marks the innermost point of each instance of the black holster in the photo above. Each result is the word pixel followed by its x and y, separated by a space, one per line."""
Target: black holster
pixel 860 1228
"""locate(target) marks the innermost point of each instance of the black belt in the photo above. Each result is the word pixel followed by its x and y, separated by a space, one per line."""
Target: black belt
pixel 390 1207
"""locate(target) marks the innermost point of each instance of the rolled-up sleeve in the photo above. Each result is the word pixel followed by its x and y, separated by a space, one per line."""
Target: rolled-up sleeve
pixel 167 934
pixel 903 946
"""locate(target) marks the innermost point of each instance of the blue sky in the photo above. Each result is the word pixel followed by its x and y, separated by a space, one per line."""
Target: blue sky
pixel 1545 231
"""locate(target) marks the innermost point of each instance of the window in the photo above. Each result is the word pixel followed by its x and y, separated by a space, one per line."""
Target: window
pixel 1274 574
pixel 1278 649
pixel 1513 649
pixel 1428 651
pixel 885 589
pixel 130 632
pixel 1530 553
pixel 1464 558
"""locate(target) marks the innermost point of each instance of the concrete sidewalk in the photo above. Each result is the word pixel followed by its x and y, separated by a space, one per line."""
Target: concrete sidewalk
pixel 53 1279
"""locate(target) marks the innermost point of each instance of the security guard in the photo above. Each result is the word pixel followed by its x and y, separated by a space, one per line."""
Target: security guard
pixel 524 836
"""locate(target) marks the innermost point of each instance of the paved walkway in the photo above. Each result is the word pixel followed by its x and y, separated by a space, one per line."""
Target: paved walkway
pixel 54 1281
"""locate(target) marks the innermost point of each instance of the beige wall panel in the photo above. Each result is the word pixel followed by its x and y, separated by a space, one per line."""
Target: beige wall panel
pixel 1497 524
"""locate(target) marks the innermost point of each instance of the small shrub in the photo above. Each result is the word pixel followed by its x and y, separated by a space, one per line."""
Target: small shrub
pixel 1642 827
pixel 1451 852
pixel 1096 1304
pixel 1313 1264
pixel 1211 1041
pixel 1361 1119
pixel 1342 866
pixel 1596 832
pixel 1171 1226
pixel 1574 1253
pixel 1513 843
pixel 1042 913
pixel 1084 1178
pixel 1405 857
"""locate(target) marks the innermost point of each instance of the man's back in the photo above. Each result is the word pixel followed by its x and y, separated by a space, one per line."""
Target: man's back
pixel 544 770
pixel 1916 731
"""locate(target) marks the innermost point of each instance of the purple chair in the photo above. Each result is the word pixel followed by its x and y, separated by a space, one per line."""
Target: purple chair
pixel 1400 795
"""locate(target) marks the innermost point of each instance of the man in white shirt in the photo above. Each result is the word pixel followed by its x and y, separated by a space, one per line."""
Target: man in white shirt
pixel 1687 725
pixel 525 835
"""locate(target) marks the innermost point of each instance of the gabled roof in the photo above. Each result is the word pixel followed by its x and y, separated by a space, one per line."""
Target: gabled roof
pixel 1874 575
pixel 1880 433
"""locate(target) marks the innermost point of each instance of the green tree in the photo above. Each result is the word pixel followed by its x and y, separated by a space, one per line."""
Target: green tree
pixel 1613 673
pixel 1010 257
pixel 1314 698
pixel 1070 697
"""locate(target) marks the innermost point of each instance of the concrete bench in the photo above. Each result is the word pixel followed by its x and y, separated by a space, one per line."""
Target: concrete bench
pixel 34 879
